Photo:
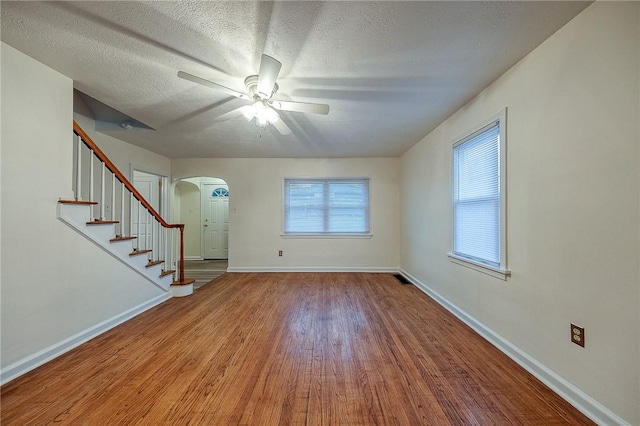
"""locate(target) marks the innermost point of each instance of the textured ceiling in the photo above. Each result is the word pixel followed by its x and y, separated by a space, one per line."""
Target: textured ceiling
pixel 391 71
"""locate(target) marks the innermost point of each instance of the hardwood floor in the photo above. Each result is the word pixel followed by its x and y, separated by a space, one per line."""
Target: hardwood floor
pixel 288 349
pixel 204 271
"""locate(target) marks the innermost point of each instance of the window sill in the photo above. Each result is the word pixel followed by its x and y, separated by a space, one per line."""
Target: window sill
pixel 324 236
pixel 503 274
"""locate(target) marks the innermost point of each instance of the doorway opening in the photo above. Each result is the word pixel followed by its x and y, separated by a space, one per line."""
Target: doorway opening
pixel 202 204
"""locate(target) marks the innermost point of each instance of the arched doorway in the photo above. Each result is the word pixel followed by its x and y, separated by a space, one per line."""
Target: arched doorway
pixel 202 204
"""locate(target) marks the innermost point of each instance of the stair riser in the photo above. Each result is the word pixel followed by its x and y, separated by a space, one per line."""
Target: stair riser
pixel 122 247
pixel 100 232
pixel 76 215
pixel 140 261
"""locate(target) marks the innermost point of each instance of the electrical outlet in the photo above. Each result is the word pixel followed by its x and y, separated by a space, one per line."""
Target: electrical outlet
pixel 280 253
pixel 577 335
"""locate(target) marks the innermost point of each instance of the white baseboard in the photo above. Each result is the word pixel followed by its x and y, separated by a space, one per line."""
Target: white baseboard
pixel 35 360
pixel 580 400
pixel 370 269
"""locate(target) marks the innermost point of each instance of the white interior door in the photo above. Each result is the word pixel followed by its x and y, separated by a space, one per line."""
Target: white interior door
pixel 215 221
pixel 148 186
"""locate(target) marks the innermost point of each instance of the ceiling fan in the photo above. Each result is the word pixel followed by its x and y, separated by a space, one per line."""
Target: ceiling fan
pixel 260 90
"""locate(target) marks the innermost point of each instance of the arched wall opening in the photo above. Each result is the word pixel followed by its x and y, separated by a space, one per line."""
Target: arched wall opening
pixel 202 204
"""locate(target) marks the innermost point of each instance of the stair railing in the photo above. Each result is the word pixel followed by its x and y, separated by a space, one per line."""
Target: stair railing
pixel 121 203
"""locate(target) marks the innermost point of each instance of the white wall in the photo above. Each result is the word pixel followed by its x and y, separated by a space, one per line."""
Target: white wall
pixel 573 207
pixel 255 213
pixel 55 283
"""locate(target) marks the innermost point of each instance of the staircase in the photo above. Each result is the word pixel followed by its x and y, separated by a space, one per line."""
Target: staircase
pixel 160 255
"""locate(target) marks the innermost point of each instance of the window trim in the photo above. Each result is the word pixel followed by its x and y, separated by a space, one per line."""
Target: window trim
pixel 327 235
pixel 501 271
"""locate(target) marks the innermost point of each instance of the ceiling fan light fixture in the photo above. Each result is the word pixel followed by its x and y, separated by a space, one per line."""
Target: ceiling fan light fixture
pixel 263 114
pixel 271 115
pixel 249 112
pixel 261 121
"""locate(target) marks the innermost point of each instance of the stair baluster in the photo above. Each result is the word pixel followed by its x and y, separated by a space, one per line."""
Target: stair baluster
pixel 78 194
pixel 91 177
pixel 102 192
pixel 123 228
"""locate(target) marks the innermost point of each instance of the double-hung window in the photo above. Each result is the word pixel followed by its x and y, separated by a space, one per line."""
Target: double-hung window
pixel 479 199
pixel 326 206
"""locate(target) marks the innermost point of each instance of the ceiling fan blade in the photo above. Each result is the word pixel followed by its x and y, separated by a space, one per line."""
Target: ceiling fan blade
pixel 269 70
pixel 281 127
pixel 301 107
pixel 213 85
pixel 237 112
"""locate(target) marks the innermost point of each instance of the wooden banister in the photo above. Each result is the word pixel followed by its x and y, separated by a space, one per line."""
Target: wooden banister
pixel 122 178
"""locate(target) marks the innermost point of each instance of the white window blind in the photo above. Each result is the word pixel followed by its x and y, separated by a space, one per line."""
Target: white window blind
pixel 326 206
pixel 476 196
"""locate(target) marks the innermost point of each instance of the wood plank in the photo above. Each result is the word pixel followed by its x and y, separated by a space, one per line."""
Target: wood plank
pixel 78 202
pixel 139 252
pixel 121 238
pixel 102 222
pixel 288 349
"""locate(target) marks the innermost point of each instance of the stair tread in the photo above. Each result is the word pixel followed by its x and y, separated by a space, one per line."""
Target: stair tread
pixel 154 262
pixel 122 239
pixel 79 202
pixel 102 222
pixel 137 252
pixel 186 281
pixel 167 272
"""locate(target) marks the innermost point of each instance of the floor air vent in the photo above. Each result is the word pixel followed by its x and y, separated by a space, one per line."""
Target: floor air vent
pixel 401 278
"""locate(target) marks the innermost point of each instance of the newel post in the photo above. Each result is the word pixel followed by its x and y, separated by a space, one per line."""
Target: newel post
pixel 181 268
